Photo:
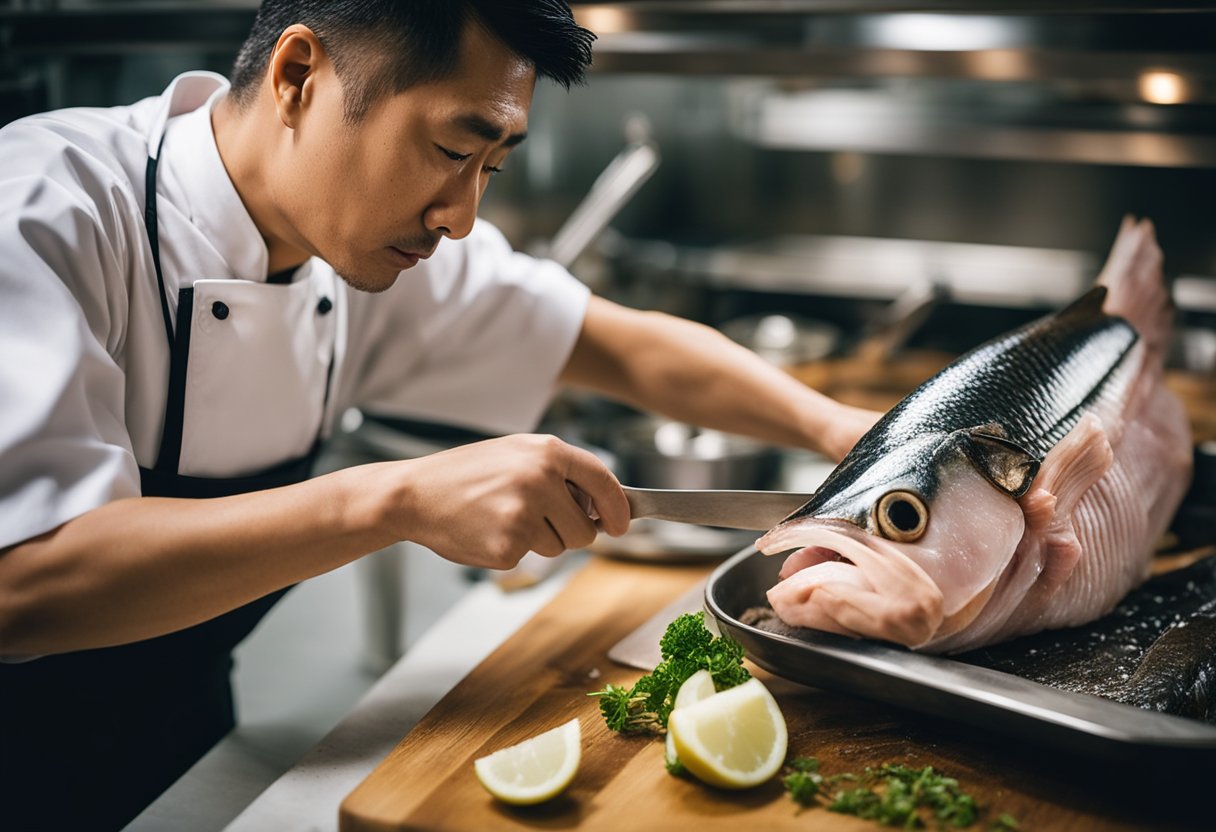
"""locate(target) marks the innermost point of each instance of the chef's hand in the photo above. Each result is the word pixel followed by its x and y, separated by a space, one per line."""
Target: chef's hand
pixel 489 503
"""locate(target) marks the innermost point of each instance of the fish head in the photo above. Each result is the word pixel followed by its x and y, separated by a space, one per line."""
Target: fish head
pixel 906 542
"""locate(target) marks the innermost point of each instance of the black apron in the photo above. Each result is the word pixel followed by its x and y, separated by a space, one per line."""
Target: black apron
pixel 90 738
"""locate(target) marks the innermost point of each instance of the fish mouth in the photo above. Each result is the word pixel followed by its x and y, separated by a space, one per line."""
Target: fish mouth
pixel 844 580
pixel 810 556
pixel 811 544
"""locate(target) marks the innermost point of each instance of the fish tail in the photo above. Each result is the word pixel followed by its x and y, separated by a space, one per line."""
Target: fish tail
pixel 1135 285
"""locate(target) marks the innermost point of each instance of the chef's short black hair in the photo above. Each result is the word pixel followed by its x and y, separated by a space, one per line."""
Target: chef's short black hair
pixel 381 47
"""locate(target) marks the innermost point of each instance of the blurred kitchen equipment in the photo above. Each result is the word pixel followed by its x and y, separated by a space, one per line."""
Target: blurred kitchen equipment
pixel 658 453
pixel 784 340
pixel 625 174
pixel 1194 324
pixel 1195 522
pixel 901 320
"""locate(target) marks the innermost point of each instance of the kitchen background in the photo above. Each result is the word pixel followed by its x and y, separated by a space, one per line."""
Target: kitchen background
pixel 897 168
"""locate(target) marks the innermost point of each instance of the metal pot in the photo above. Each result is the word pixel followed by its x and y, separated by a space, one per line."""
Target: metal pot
pixel 658 453
pixel 654 453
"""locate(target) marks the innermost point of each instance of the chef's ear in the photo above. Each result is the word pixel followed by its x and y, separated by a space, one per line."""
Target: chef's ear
pixel 293 65
pixel 1005 464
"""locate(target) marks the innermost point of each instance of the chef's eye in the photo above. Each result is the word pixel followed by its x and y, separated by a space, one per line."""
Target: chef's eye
pixel 490 169
pixel 452 154
pixel 902 516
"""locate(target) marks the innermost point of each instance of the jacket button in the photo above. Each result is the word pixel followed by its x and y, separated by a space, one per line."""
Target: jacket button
pixel 219 309
pixel 324 306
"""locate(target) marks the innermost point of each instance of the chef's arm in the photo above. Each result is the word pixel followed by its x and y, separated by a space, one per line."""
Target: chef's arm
pixel 141 567
pixel 692 373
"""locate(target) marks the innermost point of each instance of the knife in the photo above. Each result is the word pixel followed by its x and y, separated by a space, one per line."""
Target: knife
pixel 758 510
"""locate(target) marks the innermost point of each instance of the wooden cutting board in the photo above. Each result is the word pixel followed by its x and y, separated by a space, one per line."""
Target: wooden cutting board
pixel 539 678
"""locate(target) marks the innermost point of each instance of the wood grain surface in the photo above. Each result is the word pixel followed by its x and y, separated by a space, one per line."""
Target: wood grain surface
pixel 539 678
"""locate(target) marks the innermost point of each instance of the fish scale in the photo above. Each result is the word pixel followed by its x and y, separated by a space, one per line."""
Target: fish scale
pixel 1034 382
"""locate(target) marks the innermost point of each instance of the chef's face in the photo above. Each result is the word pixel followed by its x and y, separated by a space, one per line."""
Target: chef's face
pixel 373 197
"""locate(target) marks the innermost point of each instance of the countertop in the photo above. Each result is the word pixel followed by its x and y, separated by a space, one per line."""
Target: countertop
pixel 539 678
pixel 464 695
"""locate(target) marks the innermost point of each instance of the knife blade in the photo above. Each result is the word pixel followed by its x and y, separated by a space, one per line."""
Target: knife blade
pixel 757 510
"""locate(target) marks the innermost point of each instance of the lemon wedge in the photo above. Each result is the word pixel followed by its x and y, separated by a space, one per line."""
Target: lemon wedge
pixel 696 687
pixel 534 770
pixel 733 739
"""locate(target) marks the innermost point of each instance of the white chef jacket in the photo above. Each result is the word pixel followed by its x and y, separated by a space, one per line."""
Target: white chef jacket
pixel 474 337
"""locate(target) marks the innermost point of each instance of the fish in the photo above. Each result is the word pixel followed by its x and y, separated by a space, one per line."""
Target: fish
pixel 1156 650
pixel 1022 488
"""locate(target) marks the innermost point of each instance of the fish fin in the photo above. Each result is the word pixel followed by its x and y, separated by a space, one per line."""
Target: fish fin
pixel 1077 461
pixel 1005 464
pixel 1087 306
pixel 992 429
pixel 1136 282
pixel 1053 545
pixel 1071 468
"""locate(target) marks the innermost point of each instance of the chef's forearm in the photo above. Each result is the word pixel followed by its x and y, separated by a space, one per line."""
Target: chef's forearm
pixel 693 373
pixel 142 567
pixel 696 374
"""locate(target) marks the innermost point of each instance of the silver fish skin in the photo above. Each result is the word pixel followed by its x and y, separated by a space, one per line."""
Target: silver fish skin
pixel 1021 488
pixel 1001 407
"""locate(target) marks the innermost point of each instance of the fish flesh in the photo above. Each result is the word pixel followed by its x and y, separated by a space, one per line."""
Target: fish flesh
pixel 1022 488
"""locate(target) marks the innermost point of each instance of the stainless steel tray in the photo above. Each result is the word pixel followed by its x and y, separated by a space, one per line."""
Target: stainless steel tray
pixel 942 686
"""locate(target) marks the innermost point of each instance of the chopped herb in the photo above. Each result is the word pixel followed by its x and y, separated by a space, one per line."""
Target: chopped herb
pixel 686 647
pixel 891 794
pixel 803 780
pixel 674 767
pixel 804 764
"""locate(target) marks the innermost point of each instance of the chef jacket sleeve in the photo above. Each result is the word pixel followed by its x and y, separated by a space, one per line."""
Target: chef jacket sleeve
pixel 474 337
pixel 64 448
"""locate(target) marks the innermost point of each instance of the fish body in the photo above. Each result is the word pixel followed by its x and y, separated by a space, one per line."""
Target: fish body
pixel 1020 488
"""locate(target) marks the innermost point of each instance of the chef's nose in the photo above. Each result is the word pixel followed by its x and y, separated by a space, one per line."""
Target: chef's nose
pixel 454 209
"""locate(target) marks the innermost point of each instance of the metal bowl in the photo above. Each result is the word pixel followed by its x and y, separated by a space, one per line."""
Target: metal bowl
pixel 658 453
pixel 667 454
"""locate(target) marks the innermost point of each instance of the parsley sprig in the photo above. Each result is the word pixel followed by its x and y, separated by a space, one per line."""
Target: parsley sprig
pixel 891 794
pixel 686 647
pixel 803 780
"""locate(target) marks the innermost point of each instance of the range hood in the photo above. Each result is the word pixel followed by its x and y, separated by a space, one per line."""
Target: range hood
pixel 1091 83
pixel 992 41
pixel 1115 83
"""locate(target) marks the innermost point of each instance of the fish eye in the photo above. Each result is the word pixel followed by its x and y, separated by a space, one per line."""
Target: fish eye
pixel 902 516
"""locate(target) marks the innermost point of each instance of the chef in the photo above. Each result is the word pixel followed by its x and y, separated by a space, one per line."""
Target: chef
pixel 193 286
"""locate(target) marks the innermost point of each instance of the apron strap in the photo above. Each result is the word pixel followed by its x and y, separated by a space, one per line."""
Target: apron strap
pixel 154 238
pixel 170 453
